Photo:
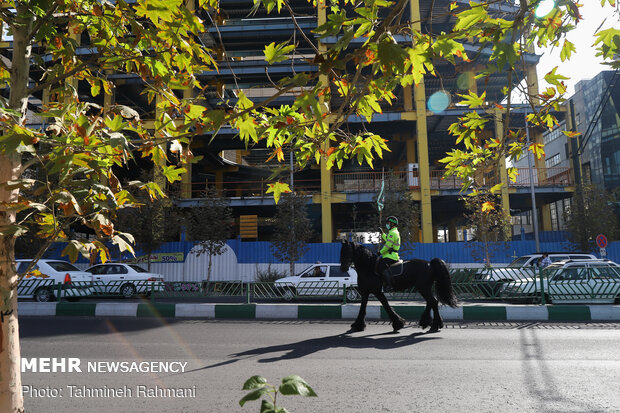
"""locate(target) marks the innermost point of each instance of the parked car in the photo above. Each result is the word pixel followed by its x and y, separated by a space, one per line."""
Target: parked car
pixel 320 280
pixel 41 281
pixel 126 279
pixel 576 281
pixel 491 280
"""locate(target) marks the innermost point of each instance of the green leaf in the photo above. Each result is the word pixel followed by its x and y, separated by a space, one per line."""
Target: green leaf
pixel 466 19
pixel 292 385
pixel 267 407
pixel 254 395
pixel 276 52
pixel 496 188
pixel 473 100
pixel 553 78
pixel 278 189
pixel 567 50
pixel 610 42
pixel 19 183
pixel 254 382
pixel 172 173
pixel 72 250
pixel 13 230
pixel 158 10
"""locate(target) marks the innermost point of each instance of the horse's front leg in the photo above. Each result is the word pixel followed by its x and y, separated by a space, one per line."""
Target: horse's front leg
pixel 397 321
pixel 360 324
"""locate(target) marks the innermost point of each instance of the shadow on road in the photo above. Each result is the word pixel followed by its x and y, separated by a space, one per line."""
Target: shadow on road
pixel 299 349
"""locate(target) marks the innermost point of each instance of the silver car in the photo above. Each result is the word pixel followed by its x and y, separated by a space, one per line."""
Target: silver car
pixel 572 281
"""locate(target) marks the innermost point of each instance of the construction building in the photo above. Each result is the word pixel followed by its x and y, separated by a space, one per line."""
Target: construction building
pixel 417 131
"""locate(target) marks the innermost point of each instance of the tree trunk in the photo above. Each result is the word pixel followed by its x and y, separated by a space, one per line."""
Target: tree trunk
pixel 209 268
pixel 11 399
pixel 292 268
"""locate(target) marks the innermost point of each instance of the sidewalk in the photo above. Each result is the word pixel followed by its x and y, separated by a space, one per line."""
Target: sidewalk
pixel 303 311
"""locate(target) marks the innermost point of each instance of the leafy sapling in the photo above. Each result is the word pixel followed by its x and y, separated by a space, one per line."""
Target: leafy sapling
pixel 258 386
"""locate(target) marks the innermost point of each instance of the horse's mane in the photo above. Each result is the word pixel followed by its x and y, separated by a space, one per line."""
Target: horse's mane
pixel 364 254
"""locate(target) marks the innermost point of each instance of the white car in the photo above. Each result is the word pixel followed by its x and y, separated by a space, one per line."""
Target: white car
pixel 491 280
pixel 49 278
pixel 124 279
pixel 320 280
pixel 575 281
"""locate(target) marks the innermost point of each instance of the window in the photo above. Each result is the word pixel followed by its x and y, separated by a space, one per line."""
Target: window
pixel 553 160
pixel 579 257
pixel 137 268
pixel 554 217
pixel 117 269
pixel 99 269
pixel 334 272
pixel 555 133
pixel 21 266
pixel 61 266
pixel 603 271
pixel 571 274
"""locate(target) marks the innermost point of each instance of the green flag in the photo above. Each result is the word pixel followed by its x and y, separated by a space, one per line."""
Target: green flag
pixel 380 197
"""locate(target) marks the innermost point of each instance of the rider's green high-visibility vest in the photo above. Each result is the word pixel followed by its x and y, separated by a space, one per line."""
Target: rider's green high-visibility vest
pixel 392 244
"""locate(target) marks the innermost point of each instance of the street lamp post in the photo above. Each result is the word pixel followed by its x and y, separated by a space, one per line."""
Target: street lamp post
pixel 529 166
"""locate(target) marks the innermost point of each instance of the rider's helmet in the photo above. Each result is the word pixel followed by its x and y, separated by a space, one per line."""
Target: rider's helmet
pixel 392 221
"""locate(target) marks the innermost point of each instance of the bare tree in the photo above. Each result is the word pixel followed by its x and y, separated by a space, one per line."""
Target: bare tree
pixel 591 213
pixel 211 225
pixel 293 229
pixel 490 225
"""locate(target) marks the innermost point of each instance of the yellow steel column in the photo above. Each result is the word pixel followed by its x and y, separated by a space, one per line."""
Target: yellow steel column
pixel 422 138
pixel 503 173
pixel 452 231
pixel 327 227
pixel 219 182
pixel 410 145
pixel 186 178
pixel 188 93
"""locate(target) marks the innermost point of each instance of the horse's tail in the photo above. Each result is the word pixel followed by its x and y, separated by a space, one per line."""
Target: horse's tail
pixel 443 284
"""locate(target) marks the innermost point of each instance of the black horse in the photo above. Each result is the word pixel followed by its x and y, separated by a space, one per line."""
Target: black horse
pixel 416 273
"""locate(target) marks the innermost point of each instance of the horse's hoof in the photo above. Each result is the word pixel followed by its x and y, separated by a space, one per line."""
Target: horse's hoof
pixel 397 325
pixel 356 327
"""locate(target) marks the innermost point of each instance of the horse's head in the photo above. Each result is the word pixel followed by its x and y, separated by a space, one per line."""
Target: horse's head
pixel 346 255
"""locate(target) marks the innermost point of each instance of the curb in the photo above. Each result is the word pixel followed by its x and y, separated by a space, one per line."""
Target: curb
pixel 322 311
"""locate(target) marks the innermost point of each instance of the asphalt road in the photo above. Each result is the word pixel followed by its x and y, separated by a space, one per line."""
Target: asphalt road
pixel 489 367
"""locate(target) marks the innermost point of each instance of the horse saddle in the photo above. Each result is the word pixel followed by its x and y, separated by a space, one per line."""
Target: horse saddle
pixel 397 268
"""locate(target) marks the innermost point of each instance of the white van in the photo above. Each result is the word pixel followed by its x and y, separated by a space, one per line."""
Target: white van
pixel 318 280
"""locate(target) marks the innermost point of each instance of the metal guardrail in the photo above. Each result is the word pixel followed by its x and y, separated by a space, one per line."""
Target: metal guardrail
pixel 469 284
pixel 537 285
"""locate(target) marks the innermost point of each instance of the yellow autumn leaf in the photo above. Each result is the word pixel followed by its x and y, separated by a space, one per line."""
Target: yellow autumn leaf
pixel 487 207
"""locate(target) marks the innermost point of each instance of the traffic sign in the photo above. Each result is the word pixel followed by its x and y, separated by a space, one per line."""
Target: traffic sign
pixel 603 252
pixel 601 241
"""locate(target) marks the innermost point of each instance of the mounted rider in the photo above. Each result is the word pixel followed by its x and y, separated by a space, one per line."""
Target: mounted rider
pixel 389 252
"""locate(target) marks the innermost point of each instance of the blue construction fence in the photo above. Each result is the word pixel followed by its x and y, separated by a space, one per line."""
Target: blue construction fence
pixel 451 252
